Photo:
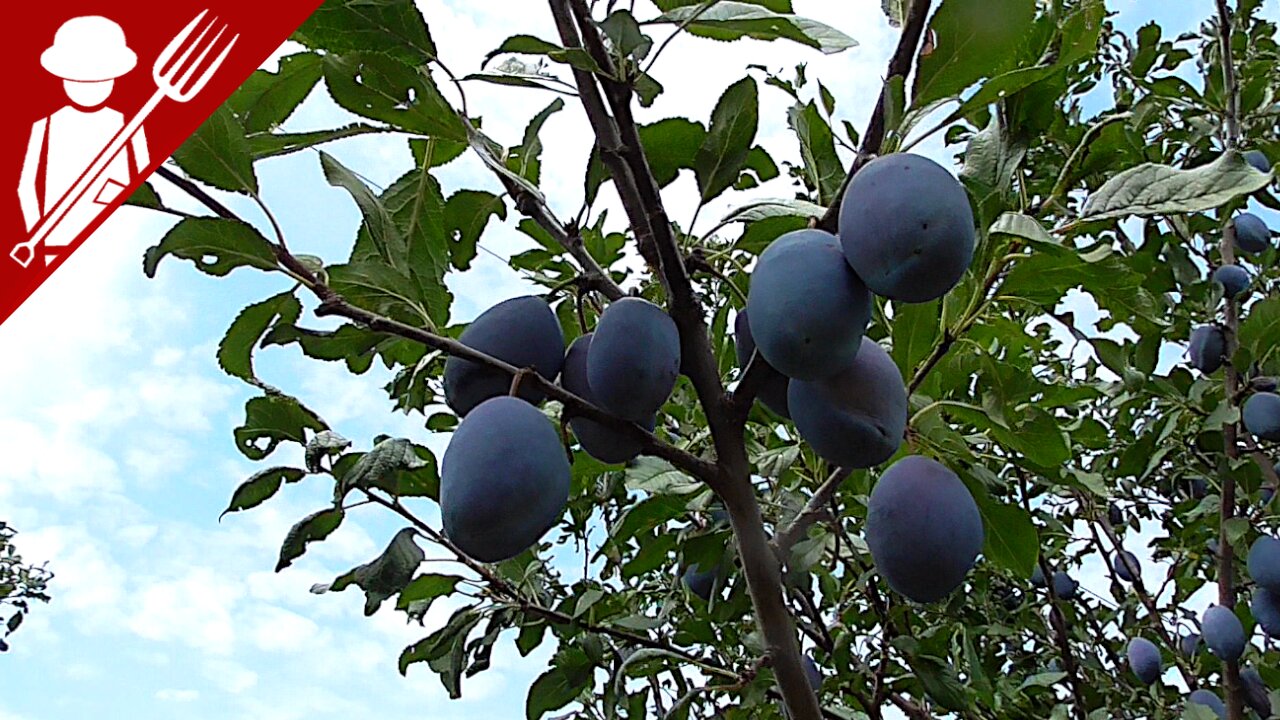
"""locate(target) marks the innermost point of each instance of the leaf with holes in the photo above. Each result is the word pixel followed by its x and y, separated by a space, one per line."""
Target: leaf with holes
pixel 216 246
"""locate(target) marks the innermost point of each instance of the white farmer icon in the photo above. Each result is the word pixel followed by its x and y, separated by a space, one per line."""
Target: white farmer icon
pixel 82 147
pixel 88 54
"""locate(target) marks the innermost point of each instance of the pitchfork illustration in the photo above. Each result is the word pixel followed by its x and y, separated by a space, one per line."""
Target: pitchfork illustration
pixel 173 79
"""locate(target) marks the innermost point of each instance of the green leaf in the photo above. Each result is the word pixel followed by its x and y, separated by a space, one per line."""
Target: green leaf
pixel 670 145
pixel 377 468
pixel 145 196
pixel 762 209
pixel 1260 330
pixel 261 486
pixel 267 99
pixel 624 34
pixel 778 6
pixel 323 444
pixel 216 246
pixel 554 689
pixel 1044 679
pixel 354 345
pixel 217 154
pixel 394 27
pixel 1025 228
pixel 316 526
pixel 734 20
pixel 466 214
pixel 443 642
pixel 264 145
pixel 973 39
pixel 916 328
pixel 1151 189
pixel 940 683
pixel 417 596
pixel 235 352
pixel 382 231
pixel 1011 539
pixel 530 45
pixel 822 167
pixel 274 419
pixel 385 575
pixel 381 289
pixel 526 160
pixel 380 87
pixel 659 477
pixel 733 128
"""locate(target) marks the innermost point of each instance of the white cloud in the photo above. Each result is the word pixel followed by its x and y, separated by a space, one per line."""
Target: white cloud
pixel 194 609
pixel 180 696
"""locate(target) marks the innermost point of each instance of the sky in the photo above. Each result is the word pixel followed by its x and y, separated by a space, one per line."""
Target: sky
pixel 116 421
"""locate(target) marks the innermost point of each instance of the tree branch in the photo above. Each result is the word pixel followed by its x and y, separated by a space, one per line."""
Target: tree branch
pixel 813 511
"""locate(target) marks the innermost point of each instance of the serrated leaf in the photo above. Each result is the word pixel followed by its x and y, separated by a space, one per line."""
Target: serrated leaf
pixel 264 145
pixel 916 328
pixel 380 87
pixel 466 214
pixel 266 99
pixel 145 196
pixel 376 468
pixel 235 351
pixel 1025 228
pixel 554 689
pixel 659 477
pixel 734 20
pixel 352 344
pixel 314 527
pixel 624 34
pixel 385 575
pixel 1260 330
pixel 261 486
pixel 526 160
pixel 323 444
pixel 782 207
pixel 1044 679
pixel 941 683
pixel 973 39
pixel 1152 189
pixel 274 419
pixel 215 245
pixel 530 45
pixel 382 231
pixel 217 154
pixel 822 166
pixel 395 27
pixel 416 597
pixel 734 122
pixel 1011 539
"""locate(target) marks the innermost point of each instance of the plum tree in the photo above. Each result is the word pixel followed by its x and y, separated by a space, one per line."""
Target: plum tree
pixel 1265 608
pixel 1261 415
pixel 606 444
pixel 1252 234
pixel 812 673
pixel 923 528
pixel 1233 279
pixel 635 358
pixel 1255 692
pixel 1115 515
pixel 1258 160
pixel 1063 585
pixel 504 479
pixel 1209 699
pixel 1189 644
pixel 773 393
pixel 907 228
pixel 1144 660
pixel 700 582
pixel 1207 347
pixel 802 334
pixel 1264 562
pixel 523 332
pixel 1222 633
pixel 856 418
pixel 1127 567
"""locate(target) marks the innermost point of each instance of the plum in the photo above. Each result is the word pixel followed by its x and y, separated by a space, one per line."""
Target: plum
pixel 1115 515
pixel 1064 587
pixel 1258 160
pixel 1127 566
pixel 1189 644
pixel 634 360
pixel 504 479
pixel 907 228
pixel 1223 633
pixel 923 529
pixel 523 332
pixel 1144 660
pixel 1265 608
pixel 1233 279
pixel 1037 576
pixel 606 444
pixel 1252 234
pixel 1261 415
pixel 812 673
pixel 773 392
pixel 700 583
pixel 856 418
pixel 1210 700
pixel 806 309
pixel 1207 347
pixel 1255 692
pixel 1264 563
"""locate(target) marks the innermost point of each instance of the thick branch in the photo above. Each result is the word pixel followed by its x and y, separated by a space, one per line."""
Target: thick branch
pixel 899 66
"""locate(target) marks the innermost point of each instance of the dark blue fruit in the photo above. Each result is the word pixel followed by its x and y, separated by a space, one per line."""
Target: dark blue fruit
pixel 1144 659
pixel 522 331
pixel 1064 588
pixel 1265 608
pixel 1210 700
pixel 806 308
pixel 634 359
pixel 1115 515
pixel 1262 415
pixel 1255 692
pixel 812 673
pixel 1233 279
pixel 1037 577
pixel 1252 234
pixel 601 442
pixel 1189 644
pixel 1258 160
pixel 1127 566
pixel 504 480
pixel 1207 347
pixel 923 529
pixel 1223 633
pixel 773 393
pixel 700 583
pixel 1264 563
pixel 856 418
pixel 1200 488
pixel 907 228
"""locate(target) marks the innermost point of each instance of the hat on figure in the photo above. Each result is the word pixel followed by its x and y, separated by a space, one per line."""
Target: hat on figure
pixel 89 49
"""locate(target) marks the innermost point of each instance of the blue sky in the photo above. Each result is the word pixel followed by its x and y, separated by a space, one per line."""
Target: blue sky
pixel 116 425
